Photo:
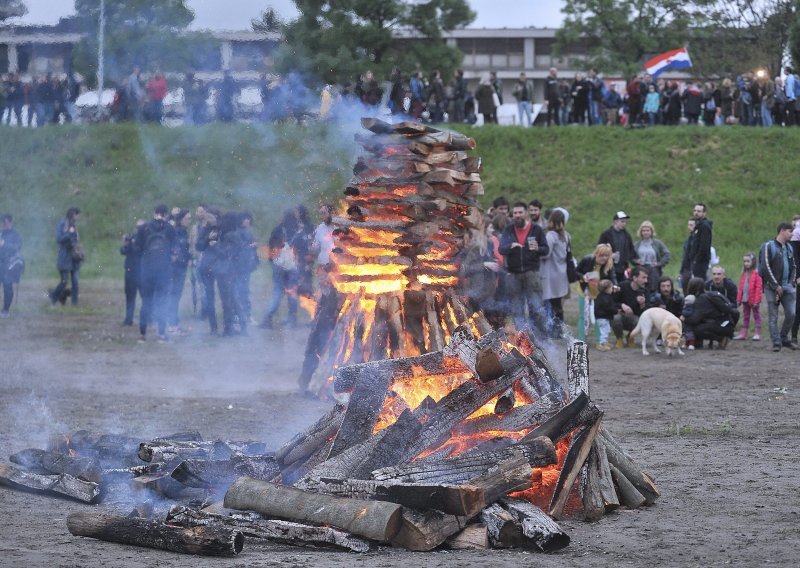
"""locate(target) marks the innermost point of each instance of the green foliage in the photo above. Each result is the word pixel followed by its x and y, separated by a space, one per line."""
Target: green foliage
pixel 12 9
pixel 337 41
pixel 148 33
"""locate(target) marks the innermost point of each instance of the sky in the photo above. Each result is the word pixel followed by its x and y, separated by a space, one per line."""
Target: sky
pixel 236 14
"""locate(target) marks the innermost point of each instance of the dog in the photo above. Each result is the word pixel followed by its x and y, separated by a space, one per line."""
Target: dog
pixel 655 321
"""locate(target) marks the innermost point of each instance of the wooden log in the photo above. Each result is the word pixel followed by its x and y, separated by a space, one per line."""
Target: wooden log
pixel 63 484
pixel 502 530
pixel 101 445
pixel 628 494
pixel 255 526
pixel 593 505
pixel 345 378
pixel 301 468
pixel 471 537
pixel 576 456
pixel 47 462
pixel 536 525
pixel 305 443
pixel 516 419
pixel 132 471
pixel 606 482
pixel 221 473
pixel 162 483
pixel 508 476
pixel 363 409
pixel 643 482
pixel 578 369
pixel 206 541
pixel 505 402
pixel 376 520
pixel 425 530
pixel 463 468
pixel 435 332
pixel 579 412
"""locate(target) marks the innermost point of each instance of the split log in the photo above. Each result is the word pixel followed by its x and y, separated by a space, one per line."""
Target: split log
pixel 305 443
pixel 593 505
pixel 502 530
pixel 624 463
pixel 425 530
pixel 325 317
pixel 465 467
pixel 363 409
pixel 435 332
pixel 162 483
pixel 576 456
pixel 578 369
pixel 376 520
pixel 89 443
pixel 471 537
pixel 47 462
pixel 508 476
pixel 579 412
pixel 345 378
pixel 536 525
pixel 606 482
pixel 221 473
pixel 161 450
pixel 132 471
pixel 63 484
pixel 516 419
pixel 301 468
pixel 628 494
pixel 206 541
pixel 254 525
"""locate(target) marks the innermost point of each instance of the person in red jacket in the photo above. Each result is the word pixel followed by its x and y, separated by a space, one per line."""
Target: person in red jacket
pixel 751 287
pixel 156 91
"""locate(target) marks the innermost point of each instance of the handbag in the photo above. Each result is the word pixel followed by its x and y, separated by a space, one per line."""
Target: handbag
pixel 495 99
pixel 286 259
pixel 572 273
pixel 78 254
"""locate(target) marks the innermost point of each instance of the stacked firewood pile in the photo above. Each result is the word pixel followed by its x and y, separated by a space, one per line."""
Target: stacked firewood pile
pixel 465 447
pixel 401 228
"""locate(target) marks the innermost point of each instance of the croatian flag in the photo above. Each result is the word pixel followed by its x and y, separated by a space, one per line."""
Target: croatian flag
pixel 676 59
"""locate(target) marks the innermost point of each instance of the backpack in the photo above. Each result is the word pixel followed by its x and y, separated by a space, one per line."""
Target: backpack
pixel 724 306
pixel 156 241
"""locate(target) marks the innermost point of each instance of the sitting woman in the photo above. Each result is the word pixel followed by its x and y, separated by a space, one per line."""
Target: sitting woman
pixel 713 318
pixel 666 297
pixel 591 269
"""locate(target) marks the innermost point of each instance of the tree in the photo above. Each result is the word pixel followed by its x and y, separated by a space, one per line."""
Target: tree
pixel 619 34
pixel 12 9
pixel 269 22
pixel 336 40
pixel 147 33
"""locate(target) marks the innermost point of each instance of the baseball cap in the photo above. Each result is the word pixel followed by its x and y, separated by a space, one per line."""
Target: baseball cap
pixel 621 215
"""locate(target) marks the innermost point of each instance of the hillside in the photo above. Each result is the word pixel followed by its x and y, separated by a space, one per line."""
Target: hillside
pixel 116 173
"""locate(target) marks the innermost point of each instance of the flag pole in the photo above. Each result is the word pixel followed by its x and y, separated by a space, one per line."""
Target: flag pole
pixel 100 58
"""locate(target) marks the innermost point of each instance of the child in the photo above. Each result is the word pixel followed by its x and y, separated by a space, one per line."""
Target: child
pixel 651 104
pixel 605 308
pixel 749 297
pixel 686 313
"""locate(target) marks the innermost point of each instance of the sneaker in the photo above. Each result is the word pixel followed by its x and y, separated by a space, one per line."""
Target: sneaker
pixel 789 345
pixel 163 339
pixel 756 337
pixel 142 339
pixel 740 337
pixel 690 347
pixel 603 347
pixel 776 348
pixel 4 314
pixel 618 344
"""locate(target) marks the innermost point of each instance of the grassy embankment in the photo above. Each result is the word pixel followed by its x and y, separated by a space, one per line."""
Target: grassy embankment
pixel 116 173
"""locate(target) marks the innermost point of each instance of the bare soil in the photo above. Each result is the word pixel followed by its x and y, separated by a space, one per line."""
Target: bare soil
pixel 717 429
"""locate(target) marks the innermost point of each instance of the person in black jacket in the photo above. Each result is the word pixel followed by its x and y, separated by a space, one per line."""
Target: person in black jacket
pixel 632 297
pixel 714 317
pixel 155 241
pixel 178 266
pixel 720 283
pixel 605 308
pixel 700 244
pixel 667 297
pixel 11 264
pixel 778 270
pixel 132 272
pixel 522 244
pixel 621 244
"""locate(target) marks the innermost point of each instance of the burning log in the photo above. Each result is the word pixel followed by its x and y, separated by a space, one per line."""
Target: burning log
pixel 502 529
pixel 63 484
pixel 84 442
pixel 307 442
pixel 254 525
pixel 376 520
pixel 536 525
pixel 43 461
pixel 630 469
pixel 463 468
pixel 221 473
pixel 578 412
pixel 576 456
pixel 471 537
pixel 363 409
pixel 516 419
pixel 206 540
pixel 425 530
pixel 133 471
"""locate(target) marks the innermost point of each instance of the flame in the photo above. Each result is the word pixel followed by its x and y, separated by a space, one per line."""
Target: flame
pixel 545 478
pixel 308 303
pixel 371 269
pixel 460 444
pixel 449 281
pixel 374 287
pixel 370 252
pixel 376 236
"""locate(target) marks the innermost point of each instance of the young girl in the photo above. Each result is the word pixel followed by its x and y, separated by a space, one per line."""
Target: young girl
pixel 749 297
pixel 651 104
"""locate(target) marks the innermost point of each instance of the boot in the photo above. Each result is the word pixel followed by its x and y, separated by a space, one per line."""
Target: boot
pixel 619 344
pixel 742 336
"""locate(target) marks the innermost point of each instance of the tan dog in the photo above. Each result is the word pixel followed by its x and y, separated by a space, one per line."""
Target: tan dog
pixel 655 321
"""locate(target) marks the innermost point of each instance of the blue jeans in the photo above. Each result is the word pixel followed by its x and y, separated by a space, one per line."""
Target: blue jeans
pixel 282 281
pixel 594 112
pixel 788 300
pixel 524 108
pixel 73 276
pixel 766 115
pixel 525 291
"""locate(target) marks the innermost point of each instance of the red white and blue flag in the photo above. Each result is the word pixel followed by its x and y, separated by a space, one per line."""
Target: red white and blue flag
pixel 676 59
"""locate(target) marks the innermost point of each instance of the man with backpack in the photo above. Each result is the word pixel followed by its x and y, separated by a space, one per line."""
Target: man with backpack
pixel 155 241
pixel 777 268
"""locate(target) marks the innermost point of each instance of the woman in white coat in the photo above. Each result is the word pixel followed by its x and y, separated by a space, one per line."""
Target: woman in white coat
pixel 553 271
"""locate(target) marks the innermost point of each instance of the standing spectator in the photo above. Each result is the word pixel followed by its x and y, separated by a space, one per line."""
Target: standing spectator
pixel 283 259
pixel 592 269
pixel 555 285
pixel 565 100
pixel 417 95
pixel 722 284
pixel 11 263
pixel 685 273
pixel 726 99
pixel 692 103
pixel 791 90
pixel 552 99
pixel 459 95
pixel 611 103
pixel 135 93
pixel 653 254
pixel 322 243
pixel 711 103
pixel 398 92
pixel 746 100
pixel 634 100
pixel 700 244
pixel 621 244
pixel 672 105
pixel 477 270
pixel 596 88
pixel 436 97
pixel 225 93
pixel 778 270
pixel 70 257
pixel 751 288
pixel 132 272
pixel 651 105
pixel 155 242
pixel 227 271
pixel 767 88
pixel 485 96
pixel 157 89
pixel 194 96
pixel 523 244
pixel 15 98
pixel 535 214
pixel 31 100
pixel 120 107
pixel 179 264
pixel 72 91
pixel 497 85
pixel 207 247
pixel 248 263
pixel 632 298
pixel 523 92
pixel 580 92
pixel 47 97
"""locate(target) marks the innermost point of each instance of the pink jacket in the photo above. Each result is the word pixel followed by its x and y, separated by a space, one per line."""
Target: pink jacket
pixel 755 289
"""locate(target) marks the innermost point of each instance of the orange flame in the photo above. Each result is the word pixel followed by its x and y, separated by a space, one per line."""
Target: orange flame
pixel 308 303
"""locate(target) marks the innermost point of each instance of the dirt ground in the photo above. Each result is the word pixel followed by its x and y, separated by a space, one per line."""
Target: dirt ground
pixel 717 429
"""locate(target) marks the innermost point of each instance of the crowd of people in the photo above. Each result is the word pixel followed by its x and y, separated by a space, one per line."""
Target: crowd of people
pixel 518 267
pixel 45 99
